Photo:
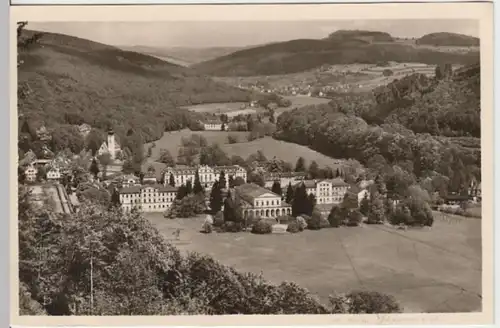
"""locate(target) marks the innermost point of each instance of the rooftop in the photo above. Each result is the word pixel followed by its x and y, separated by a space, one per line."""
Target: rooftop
pixel 250 191
pixel 137 189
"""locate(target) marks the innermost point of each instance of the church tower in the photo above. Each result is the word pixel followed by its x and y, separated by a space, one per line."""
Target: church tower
pixel 111 144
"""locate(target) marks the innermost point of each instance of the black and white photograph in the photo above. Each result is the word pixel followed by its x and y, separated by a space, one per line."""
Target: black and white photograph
pixel 259 167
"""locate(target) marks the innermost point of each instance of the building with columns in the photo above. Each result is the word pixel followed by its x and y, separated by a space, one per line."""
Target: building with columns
pixel 110 146
pixel 208 175
pixel 147 198
pixel 257 201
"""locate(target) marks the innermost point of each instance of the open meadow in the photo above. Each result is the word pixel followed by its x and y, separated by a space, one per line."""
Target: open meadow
pixel 426 270
pixel 289 152
pixel 230 109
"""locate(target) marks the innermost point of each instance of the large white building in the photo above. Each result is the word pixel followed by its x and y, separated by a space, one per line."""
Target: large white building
pixel 257 201
pixel 148 198
pixel 110 146
pixel 208 175
pixel 326 191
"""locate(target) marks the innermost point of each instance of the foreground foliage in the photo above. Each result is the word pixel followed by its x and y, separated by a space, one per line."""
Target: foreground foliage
pixel 104 262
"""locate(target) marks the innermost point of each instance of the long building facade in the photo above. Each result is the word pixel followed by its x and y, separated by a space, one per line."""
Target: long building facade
pixel 327 191
pixel 208 175
pixel 147 198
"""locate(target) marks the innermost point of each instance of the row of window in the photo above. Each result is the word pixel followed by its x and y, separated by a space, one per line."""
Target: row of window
pixel 268 203
pixel 154 206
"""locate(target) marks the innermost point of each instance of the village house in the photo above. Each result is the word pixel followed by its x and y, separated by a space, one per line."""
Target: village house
pixel 257 201
pixel 110 146
pixel 54 174
pixel 149 198
pixel 208 175
pixel 326 191
pixel 212 125
pixel 30 172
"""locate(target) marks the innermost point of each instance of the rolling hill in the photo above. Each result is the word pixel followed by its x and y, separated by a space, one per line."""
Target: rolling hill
pixel 341 47
pixel 370 36
pixel 67 80
pixel 448 39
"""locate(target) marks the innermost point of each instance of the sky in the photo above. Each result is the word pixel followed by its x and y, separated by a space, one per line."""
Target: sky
pixel 198 34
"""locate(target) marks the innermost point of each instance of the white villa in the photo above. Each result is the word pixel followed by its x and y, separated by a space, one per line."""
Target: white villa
pixel 208 175
pixel 148 198
pixel 327 191
pixel 54 173
pixel 212 125
pixel 31 171
pixel 260 202
pixel 110 146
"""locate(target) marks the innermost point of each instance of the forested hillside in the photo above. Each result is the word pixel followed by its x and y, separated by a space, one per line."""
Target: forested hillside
pixel 448 39
pixel 347 47
pixel 339 129
pixel 66 80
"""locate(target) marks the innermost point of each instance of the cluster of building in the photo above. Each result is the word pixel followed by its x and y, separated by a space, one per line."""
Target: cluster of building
pixel 54 168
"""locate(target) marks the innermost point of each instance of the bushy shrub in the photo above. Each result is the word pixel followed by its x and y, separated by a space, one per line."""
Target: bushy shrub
pixel 355 218
pixel 285 219
pixel 232 139
pixel 207 227
pixel 337 216
pixel 262 227
pixel 302 222
pixel 324 223
pixel 364 302
pixel 218 219
pixel 314 223
pixel 294 227
pixel 412 212
pixel 230 226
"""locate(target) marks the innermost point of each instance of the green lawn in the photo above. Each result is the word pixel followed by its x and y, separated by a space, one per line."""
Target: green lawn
pixel 427 270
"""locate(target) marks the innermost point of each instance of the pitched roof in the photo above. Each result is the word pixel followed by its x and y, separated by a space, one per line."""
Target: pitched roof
pixel 250 191
pixel 338 182
pixel 137 189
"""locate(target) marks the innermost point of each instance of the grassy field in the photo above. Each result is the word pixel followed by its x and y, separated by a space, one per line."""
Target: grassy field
pixel 231 109
pixel 286 151
pixel 427 270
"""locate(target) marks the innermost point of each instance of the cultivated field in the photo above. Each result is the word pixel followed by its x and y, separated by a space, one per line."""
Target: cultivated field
pixel 286 151
pixel 436 270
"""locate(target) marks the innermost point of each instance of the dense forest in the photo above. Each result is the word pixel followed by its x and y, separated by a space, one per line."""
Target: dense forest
pixel 349 128
pixel 447 104
pixel 64 81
